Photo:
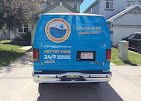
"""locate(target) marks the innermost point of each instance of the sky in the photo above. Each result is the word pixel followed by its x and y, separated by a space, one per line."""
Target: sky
pixel 85 5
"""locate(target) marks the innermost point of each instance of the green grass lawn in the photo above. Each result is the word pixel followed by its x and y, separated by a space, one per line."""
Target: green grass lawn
pixel 133 58
pixel 9 53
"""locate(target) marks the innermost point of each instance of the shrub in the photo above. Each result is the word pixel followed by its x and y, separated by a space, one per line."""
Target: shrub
pixel 26 37
pixel 22 40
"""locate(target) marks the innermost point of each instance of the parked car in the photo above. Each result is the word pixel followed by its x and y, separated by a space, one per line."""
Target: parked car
pixel 134 41
pixel 71 48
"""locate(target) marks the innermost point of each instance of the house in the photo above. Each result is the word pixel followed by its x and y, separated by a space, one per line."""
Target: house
pixel 107 8
pixel 47 6
pixel 123 16
pixel 56 6
pixel 125 23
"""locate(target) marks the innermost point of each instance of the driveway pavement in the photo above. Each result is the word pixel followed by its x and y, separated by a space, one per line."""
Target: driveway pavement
pixel 16 84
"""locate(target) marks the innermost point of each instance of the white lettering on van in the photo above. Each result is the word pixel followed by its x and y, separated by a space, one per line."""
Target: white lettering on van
pixel 51 46
pixel 63 56
pixel 50 57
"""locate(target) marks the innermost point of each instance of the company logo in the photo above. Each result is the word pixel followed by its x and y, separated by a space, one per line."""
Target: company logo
pixel 58 30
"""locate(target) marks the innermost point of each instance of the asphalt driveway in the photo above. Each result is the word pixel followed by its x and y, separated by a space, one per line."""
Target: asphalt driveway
pixel 16 84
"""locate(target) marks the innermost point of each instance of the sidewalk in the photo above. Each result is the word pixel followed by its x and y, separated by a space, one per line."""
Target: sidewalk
pixel 16 82
pixel 26 47
pixel 126 80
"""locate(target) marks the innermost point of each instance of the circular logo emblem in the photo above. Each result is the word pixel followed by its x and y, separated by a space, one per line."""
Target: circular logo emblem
pixel 58 30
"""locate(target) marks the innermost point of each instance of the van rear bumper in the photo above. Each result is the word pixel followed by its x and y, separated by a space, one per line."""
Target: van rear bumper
pixel 72 77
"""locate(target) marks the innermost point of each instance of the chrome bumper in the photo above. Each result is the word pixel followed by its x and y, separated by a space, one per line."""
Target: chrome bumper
pixel 72 77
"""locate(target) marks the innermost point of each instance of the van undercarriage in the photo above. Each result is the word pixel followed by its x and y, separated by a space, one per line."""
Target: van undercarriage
pixel 71 77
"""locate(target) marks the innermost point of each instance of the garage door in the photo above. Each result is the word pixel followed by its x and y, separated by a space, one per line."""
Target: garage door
pixel 120 32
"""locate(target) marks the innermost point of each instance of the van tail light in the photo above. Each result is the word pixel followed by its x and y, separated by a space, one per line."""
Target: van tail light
pixel 108 55
pixel 35 54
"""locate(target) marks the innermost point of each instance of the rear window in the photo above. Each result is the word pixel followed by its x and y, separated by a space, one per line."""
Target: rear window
pixel 138 36
pixel 81 28
pixel 89 28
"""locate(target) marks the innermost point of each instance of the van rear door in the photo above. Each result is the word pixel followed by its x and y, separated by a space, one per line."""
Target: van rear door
pixel 57 44
pixel 89 50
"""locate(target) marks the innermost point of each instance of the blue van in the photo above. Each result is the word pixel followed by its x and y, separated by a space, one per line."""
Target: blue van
pixel 71 48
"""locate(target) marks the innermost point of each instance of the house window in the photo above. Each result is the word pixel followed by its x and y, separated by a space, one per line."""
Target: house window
pixel 109 4
pixel 23 29
pixel 75 5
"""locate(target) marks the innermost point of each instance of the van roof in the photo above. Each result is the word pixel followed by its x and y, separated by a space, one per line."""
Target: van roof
pixel 80 14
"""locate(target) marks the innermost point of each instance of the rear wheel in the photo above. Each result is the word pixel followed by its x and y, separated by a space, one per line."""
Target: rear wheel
pixel 139 49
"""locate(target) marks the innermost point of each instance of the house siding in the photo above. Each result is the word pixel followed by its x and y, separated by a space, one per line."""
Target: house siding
pixel 70 3
pixel 118 5
pixel 4 34
pixel 100 8
pixel 95 9
pixel 135 1
pixel 15 33
pixel 60 9
pixel 125 26
pixel 128 19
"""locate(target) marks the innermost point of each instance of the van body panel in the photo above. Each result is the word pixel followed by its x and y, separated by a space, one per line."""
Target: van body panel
pixel 37 43
pixel 89 37
pixel 58 49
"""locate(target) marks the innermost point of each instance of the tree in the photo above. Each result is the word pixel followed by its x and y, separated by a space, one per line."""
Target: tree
pixel 15 13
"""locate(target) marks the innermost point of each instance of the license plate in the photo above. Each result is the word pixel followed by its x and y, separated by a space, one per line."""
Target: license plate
pixel 87 55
